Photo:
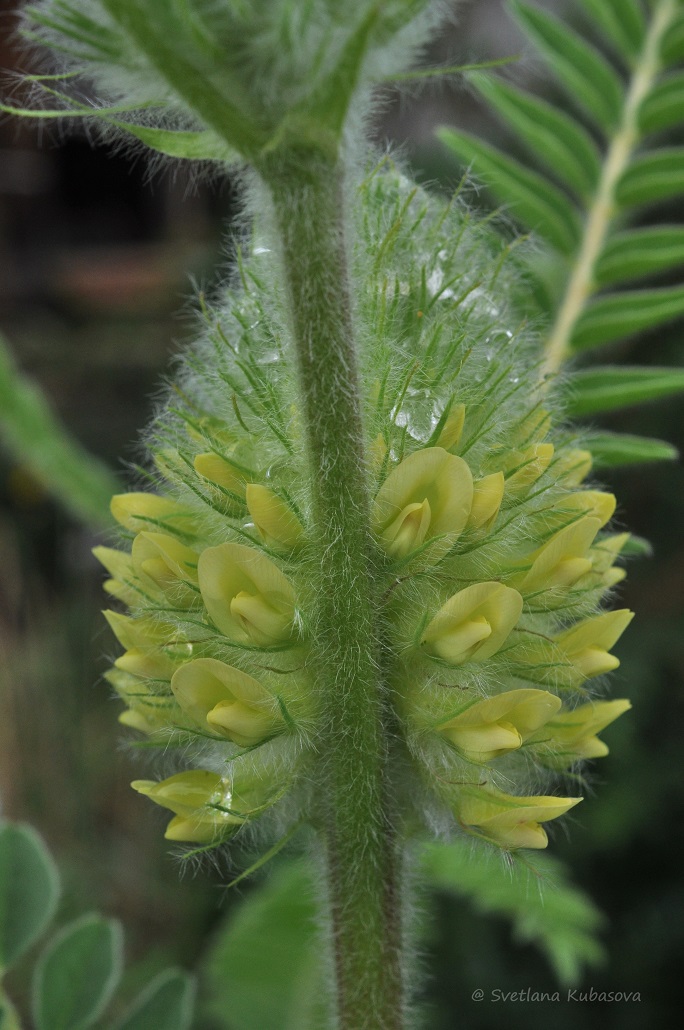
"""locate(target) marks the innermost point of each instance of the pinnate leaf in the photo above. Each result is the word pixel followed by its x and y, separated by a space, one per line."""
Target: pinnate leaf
pixel 610 450
pixel 557 140
pixel 617 315
pixel 606 388
pixel 664 105
pixel 621 20
pixel 532 199
pixel 587 76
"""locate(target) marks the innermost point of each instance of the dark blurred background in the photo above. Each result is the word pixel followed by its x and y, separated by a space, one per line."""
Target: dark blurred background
pixel 97 260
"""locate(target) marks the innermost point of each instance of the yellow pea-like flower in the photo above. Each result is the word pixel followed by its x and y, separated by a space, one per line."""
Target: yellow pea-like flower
pixel 125 584
pixel 140 511
pixel 473 624
pixel 487 496
pixel 202 803
pixel 227 701
pixel 276 523
pixel 427 497
pixel 572 736
pixel 246 595
pixel 587 644
pixel 511 822
pixel 527 466
pixel 147 711
pixel 562 560
pixel 221 472
pixel 169 564
pixel 573 467
pixel 496 725
pixel 453 427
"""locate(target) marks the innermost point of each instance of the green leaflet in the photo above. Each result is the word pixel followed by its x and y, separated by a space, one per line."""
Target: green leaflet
pixel 194 146
pixel 556 139
pixel 636 253
pixel 100 43
pixel 29 890
pixel 610 450
pixel 587 76
pixel 532 199
pixel 166 1004
pixel 621 20
pixel 652 177
pixel 663 107
pixel 672 50
pixel 77 975
pixel 593 390
pixel 617 315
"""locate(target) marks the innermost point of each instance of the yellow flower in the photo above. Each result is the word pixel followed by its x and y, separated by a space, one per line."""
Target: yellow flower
pixel 427 497
pixel 527 466
pixel 147 711
pixel 136 511
pixel 571 736
pixel 124 583
pixel 221 472
pixel 202 803
pixel 562 560
pixel 473 624
pixel 487 496
pixel 227 701
pixel 452 428
pixel 246 595
pixel 573 467
pixel 512 822
pixel 497 725
pixel 168 564
pixel 276 523
pixel 587 644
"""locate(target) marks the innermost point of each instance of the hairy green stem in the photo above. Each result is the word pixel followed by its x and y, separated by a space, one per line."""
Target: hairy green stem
pixel 602 208
pixel 363 855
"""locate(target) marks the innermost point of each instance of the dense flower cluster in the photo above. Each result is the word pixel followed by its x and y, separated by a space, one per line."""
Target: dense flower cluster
pixel 492 559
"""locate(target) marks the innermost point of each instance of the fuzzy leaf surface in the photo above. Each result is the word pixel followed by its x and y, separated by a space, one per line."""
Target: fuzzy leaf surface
pixel 166 1004
pixel 29 890
pixel 77 974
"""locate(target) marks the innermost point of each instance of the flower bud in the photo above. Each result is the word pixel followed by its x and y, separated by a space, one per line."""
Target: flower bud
pixel 452 428
pixel 587 644
pixel 246 595
pixel 573 467
pixel 527 467
pixel 511 822
pixel 572 736
pixel 221 472
pixel 276 523
pixel 496 725
pixel 487 496
pixel 169 564
pixel 473 624
pixel 427 497
pixel 202 803
pixel 227 701
pixel 138 511
pixel 562 560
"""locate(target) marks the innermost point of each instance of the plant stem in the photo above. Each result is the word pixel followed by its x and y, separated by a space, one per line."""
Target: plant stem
pixel 361 845
pixel 602 209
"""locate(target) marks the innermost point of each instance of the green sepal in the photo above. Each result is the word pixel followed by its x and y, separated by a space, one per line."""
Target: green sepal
pixel 532 199
pixel 622 21
pixel 652 177
pixel 637 253
pixel 29 890
pixel 77 974
pixel 558 141
pixel 611 450
pixel 593 390
pixel 664 105
pixel 586 75
pixel 166 1004
pixel 618 315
